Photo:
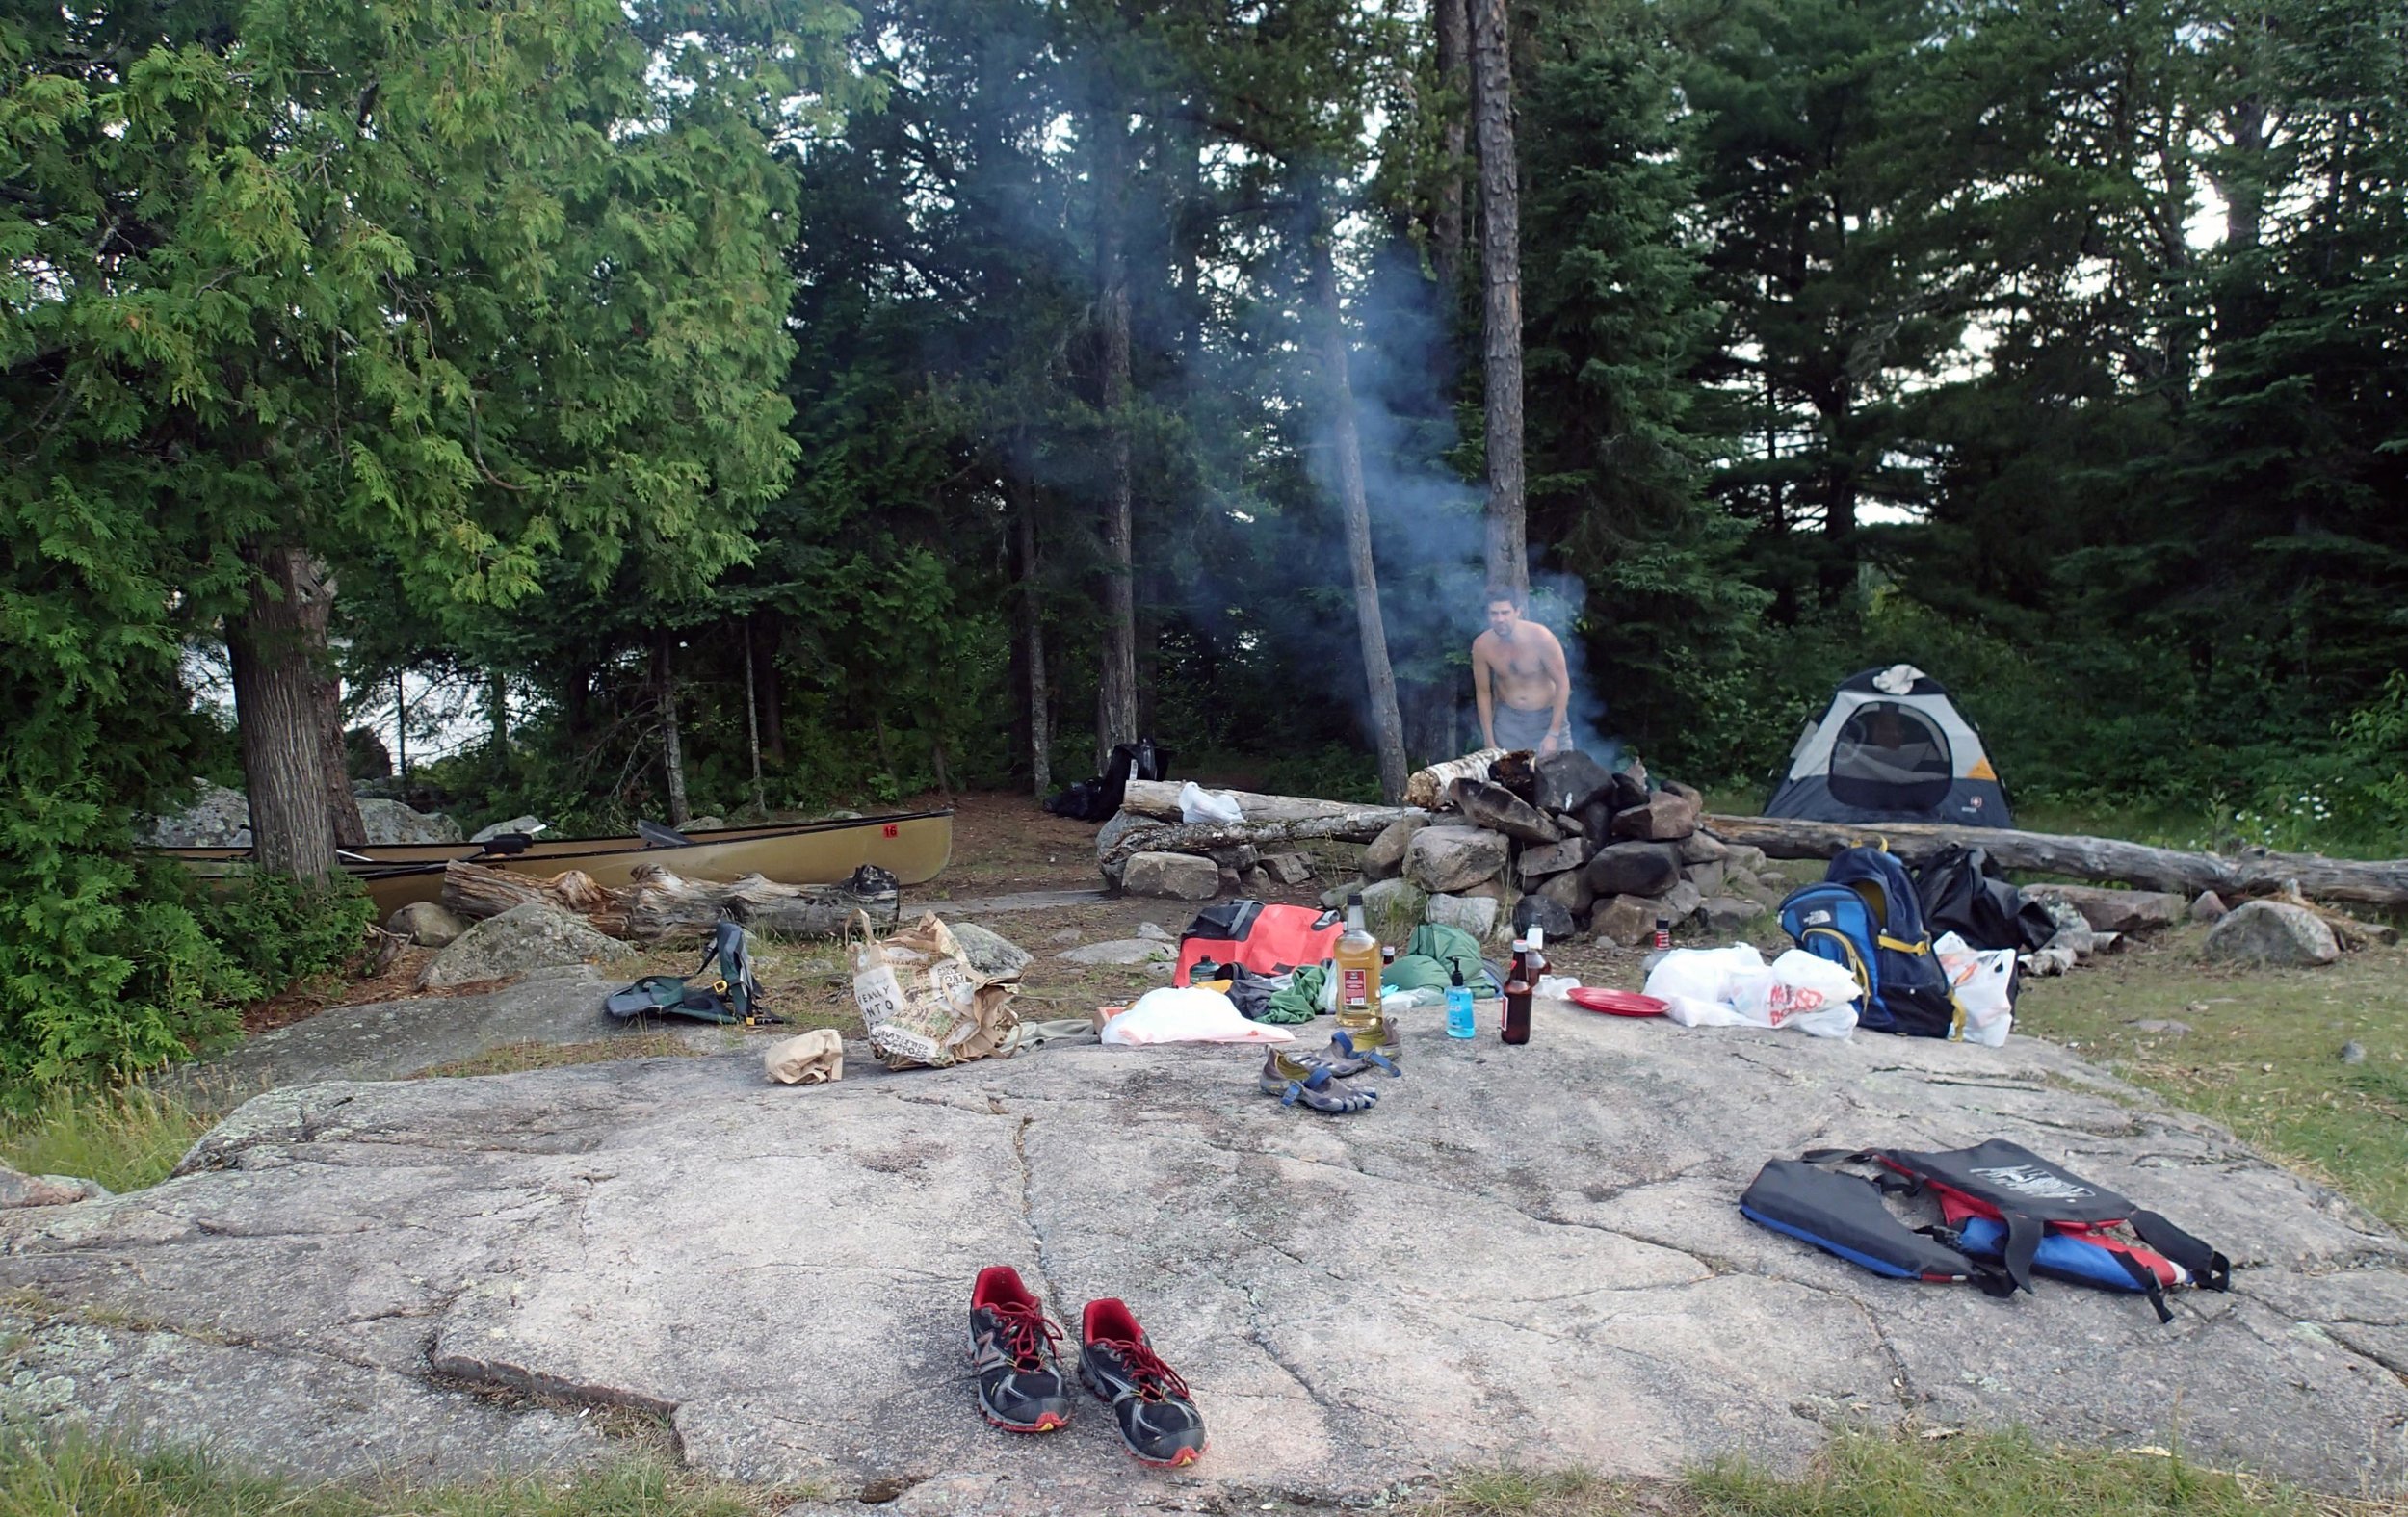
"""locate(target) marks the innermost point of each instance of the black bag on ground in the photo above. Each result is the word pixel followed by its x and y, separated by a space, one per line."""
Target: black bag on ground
pixel 1962 892
pixel 1844 1214
pixel 1095 799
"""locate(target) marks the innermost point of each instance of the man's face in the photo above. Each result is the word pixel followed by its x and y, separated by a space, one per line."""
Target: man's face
pixel 1503 617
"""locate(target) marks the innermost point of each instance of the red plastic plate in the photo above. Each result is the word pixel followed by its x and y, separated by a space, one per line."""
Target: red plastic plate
pixel 1615 1002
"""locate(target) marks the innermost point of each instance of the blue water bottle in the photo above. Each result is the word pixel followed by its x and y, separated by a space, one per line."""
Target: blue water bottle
pixel 1459 1023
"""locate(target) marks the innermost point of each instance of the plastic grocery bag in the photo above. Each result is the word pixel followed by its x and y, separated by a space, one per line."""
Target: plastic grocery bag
pixel 922 1003
pixel 1984 982
pixel 1800 990
pixel 1198 805
pixel 1188 1015
pixel 1702 973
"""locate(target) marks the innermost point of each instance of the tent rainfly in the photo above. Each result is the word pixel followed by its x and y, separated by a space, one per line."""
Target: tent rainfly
pixel 1891 747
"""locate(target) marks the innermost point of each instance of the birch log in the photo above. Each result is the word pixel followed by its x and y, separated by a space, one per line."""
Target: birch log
pixel 477 891
pixel 1426 785
pixel 2254 871
pixel 1160 798
pixel 1358 826
pixel 660 904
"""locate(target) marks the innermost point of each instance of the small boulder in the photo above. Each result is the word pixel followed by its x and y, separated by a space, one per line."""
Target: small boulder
pixel 1225 881
pixel 1681 903
pixel 2208 907
pixel 1174 876
pixel 2273 933
pixel 534 934
pixel 530 825
pixel 1727 916
pixel 1571 823
pixel 2353 1052
pixel 1496 890
pixel 1152 931
pixel 427 924
pixel 1256 882
pixel 1547 915
pixel 2159 1027
pixel 1743 855
pixel 1689 792
pixel 1120 951
pixel 1335 897
pixel 1383 857
pixel 1702 846
pixel 391 822
pixel 1241 857
pixel 1392 908
pixel 990 953
pixel 1444 860
pixel 1288 868
pixel 1597 819
pixel 20 1189
pixel 1538 863
pixel 1665 817
pixel 1474 914
pixel 1707 878
pixel 1634 869
pixel 2117 910
pixel 1628 788
pixel 704 823
pixel 1108 836
pixel 1569 780
pixel 1500 810
pixel 1570 890
pixel 1624 920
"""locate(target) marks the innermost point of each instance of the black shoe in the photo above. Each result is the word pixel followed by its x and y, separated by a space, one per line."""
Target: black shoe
pixel 1158 1420
pixel 1011 1349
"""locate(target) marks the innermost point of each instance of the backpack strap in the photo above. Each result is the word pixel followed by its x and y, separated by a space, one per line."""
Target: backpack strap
pixel 2023 1241
pixel 2209 1269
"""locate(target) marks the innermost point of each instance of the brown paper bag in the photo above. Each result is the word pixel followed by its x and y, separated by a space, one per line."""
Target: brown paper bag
pixel 922 1003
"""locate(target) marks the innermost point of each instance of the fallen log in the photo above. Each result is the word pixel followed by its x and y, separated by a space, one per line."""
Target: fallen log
pixel 1160 798
pixel 2253 872
pixel 660 904
pixel 477 891
pixel 1358 826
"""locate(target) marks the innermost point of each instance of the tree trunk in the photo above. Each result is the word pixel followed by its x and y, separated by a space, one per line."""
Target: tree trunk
pixel 1358 826
pixel 342 806
pixel 1033 636
pixel 660 904
pixel 1454 79
pixel 1117 704
pixel 577 701
pixel 1159 798
pixel 2255 873
pixel 752 721
pixel 673 752
pixel 773 687
pixel 1500 281
pixel 1370 630
pixel 276 647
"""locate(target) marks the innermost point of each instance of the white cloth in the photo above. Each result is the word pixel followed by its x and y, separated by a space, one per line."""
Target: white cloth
pixel 1188 1015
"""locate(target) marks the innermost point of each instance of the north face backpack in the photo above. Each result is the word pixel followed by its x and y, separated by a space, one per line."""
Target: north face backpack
pixel 2006 1212
pixel 1864 916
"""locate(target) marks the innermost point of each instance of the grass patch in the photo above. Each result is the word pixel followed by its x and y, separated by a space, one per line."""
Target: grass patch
pixel 511 1059
pixel 1911 1475
pixel 74 1475
pixel 125 1136
pixel 2262 1055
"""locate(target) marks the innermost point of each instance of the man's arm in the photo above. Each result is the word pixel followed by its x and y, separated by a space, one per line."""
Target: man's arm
pixel 1480 694
pixel 1557 734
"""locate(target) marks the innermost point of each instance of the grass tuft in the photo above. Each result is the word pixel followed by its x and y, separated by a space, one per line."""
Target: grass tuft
pixel 511 1059
pixel 75 1474
pixel 125 1136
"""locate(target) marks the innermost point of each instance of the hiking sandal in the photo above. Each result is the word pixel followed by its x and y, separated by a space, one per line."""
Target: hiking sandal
pixel 1339 1060
pixel 1314 1088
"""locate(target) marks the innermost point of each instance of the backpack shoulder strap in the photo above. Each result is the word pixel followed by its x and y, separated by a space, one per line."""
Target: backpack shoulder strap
pixel 2209 1269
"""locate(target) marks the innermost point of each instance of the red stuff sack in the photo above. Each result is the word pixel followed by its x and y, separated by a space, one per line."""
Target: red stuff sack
pixel 1267 939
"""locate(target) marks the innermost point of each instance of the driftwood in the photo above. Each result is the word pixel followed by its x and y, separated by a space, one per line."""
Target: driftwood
pixel 660 904
pixel 1360 824
pixel 1426 785
pixel 1160 798
pixel 477 891
pixel 2254 871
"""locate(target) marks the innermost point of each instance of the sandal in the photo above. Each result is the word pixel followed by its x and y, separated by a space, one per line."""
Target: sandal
pixel 1314 1086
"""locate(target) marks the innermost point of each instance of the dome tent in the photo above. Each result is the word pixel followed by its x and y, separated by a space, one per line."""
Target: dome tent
pixel 1891 747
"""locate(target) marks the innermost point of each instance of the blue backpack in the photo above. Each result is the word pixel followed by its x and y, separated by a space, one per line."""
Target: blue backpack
pixel 1865 917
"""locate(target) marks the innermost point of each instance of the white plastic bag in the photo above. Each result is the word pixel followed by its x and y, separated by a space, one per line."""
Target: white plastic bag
pixel 1198 805
pixel 1702 973
pixel 1812 995
pixel 1188 1015
pixel 1983 980
pixel 1690 1011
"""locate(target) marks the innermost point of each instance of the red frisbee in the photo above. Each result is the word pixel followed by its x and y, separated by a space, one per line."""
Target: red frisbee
pixel 1615 1002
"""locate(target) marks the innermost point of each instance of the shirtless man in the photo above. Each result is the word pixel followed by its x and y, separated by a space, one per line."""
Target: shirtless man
pixel 1525 662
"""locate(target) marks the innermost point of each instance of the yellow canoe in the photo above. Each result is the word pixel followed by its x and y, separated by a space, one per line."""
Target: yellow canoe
pixel 913 846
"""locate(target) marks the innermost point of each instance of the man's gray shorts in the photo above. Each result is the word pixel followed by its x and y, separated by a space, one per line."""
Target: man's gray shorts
pixel 1517 728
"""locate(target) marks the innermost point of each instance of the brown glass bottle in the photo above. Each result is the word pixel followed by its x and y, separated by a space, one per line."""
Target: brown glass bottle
pixel 1517 995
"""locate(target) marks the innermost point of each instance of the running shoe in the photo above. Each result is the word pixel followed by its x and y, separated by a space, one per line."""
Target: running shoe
pixel 1157 1419
pixel 1011 1349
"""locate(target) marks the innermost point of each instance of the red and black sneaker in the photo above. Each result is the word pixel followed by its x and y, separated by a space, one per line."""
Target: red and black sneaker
pixel 1011 1349
pixel 1158 1420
